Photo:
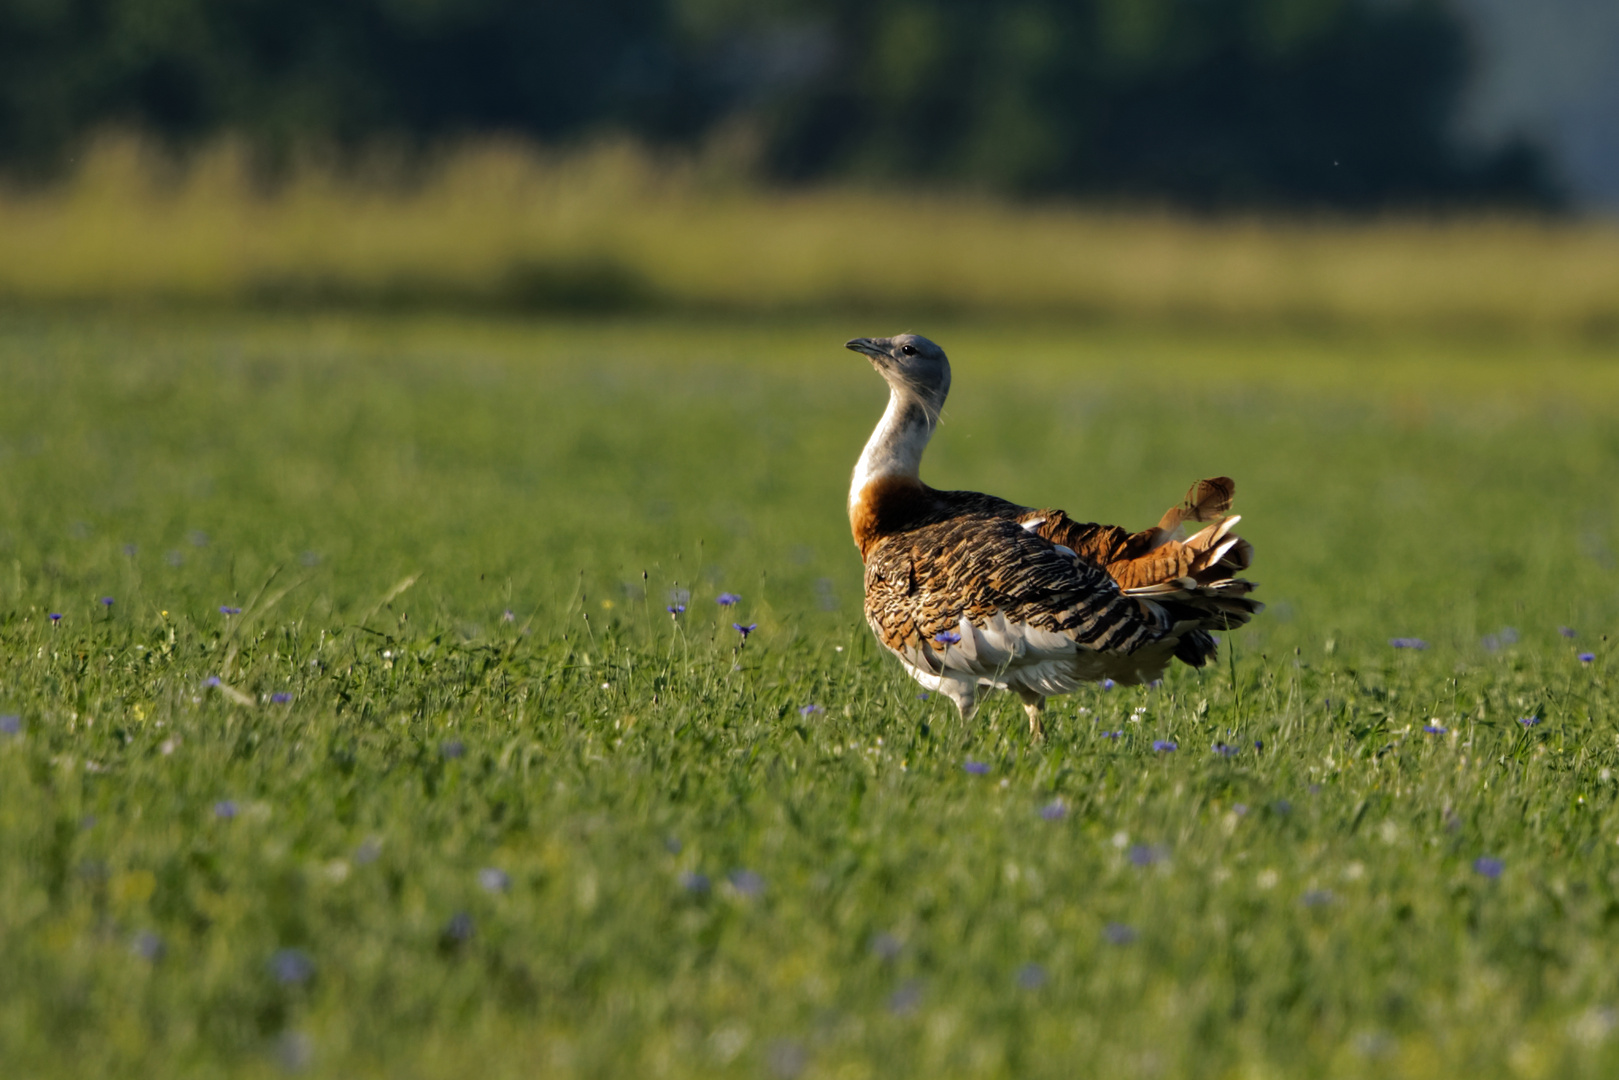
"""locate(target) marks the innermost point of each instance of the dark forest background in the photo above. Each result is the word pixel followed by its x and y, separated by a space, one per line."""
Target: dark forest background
pixel 1206 103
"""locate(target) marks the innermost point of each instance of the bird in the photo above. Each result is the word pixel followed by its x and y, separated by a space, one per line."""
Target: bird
pixel 975 594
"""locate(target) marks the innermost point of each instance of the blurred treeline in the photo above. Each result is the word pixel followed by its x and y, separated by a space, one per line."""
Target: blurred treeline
pixel 1203 103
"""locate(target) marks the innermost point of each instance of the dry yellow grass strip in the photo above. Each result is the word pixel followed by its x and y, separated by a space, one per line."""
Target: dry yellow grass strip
pixel 514 226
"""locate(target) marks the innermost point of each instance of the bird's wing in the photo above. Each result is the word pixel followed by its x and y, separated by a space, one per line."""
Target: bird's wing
pixel 1012 597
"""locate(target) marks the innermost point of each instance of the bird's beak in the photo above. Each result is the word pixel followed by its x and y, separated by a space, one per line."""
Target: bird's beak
pixel 868 346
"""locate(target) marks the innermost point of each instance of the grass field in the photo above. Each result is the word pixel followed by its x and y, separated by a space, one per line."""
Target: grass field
pixel 447 791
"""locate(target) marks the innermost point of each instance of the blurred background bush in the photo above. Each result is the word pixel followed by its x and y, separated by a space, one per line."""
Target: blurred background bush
pixel 1206 102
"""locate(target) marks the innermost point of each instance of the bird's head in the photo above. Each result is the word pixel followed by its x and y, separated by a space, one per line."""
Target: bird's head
pixel 911 364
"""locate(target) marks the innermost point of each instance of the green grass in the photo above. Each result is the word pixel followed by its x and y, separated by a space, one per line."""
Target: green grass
pixel 1308 909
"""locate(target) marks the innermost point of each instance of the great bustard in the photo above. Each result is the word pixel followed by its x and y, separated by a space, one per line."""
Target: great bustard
pixel 973 592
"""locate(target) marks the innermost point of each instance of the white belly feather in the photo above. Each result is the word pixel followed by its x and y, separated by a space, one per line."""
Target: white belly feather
pixel 1001 654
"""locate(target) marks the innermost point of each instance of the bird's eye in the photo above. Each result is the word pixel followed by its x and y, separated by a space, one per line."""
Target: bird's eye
pixel 908 350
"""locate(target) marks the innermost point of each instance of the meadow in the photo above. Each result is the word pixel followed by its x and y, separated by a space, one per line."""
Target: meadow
pixel 346 729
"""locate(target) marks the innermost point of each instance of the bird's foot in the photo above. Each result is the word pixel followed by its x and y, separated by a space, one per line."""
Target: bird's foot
pixel 1034 705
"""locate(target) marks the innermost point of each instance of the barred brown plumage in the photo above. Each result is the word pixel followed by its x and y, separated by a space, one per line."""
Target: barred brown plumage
pixel 971 591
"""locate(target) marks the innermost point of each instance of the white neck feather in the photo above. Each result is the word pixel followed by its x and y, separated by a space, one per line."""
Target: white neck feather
pixel 895 448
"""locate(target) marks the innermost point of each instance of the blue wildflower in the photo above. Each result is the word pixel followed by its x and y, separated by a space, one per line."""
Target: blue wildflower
pixel 886 946
pixel 453 748
pixel 212 681
pixel 1408 643
pixel 726 599
pixel 1435 729
pixel 1528 721
pixel 747 882
pixel 1164 746
pixel 458 930
pixel 10 724
pixel 106 601
pixel 745 630
pixel 1584 657
pixel 226 609
pixel 947 637
pixel 787 1059
pixel 1031 977
pixel 148 946
pixel 1112 734
pixel 1488 867
pixel 1142 855
pixel 56 616
pixel 1119 933
pixel 280 698
pixel 676 610
pixel 291 967
pixel 1566 631
pixel 1108 684
pixel 225 809
pixel 1224 749
pixel 810 710
pixel 1055 810
pixel 977 768
pixel 293 1051
pixel 906 998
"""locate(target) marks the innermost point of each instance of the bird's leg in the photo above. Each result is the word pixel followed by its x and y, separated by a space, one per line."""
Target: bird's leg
pixel 964 692
pixel 1034 704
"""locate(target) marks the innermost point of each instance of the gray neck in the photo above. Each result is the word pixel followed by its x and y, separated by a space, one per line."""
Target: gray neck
pixel 895 448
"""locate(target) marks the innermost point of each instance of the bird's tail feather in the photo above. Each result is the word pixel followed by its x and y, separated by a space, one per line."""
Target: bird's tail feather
pixel 1189 583
pixel 1193 582
pixel 1207 500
